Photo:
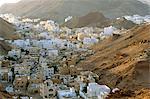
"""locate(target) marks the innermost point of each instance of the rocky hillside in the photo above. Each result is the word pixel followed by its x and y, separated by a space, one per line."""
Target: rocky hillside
pixel 123 62
pixel 59 9
pixel 122 23
pixel 7 30
pixel 4 47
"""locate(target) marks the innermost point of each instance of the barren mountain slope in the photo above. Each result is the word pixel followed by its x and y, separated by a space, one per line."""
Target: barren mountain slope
pixel 7 30
pixel 123 62
pixel 97 19
pixel 91 19
pixel 59 9
pixel 122 23
pixel 4 47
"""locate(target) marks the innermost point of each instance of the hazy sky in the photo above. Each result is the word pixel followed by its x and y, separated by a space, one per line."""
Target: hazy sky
pixel 8 1
pixel 145 1
pixel 14 1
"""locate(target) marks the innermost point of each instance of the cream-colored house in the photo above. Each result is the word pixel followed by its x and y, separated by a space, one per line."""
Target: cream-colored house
pixel 20 82
pixel 47 89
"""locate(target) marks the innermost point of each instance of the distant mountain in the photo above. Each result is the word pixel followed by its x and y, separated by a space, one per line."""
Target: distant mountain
pixel 59 9
pixel 96 19
pixel 91 19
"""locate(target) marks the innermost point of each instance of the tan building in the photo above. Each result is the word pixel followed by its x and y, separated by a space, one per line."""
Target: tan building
pixel 36 78
pixel 87 76
pixel 21 69
pixel 20 82
pixel 5 72
pixel 66 78
pixel 34 51
pixel 66 70
pixel 48 90
pixel 34 88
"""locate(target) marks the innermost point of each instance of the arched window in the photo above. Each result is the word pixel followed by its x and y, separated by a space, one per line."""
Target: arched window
pixel 50 89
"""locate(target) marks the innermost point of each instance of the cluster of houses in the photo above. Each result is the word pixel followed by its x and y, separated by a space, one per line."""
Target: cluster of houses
pixel 31 74
pixel 38 29
pixel 42 63
pixel 137 19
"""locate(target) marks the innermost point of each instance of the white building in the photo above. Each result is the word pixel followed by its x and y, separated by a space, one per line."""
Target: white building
pixel 51 26
pixel 44 35
pixel 94 90
pixel 63 94
pixel 68 18
pixel 9 89
pixel 47 44
pixel 21 43
pixel 137 19
pixel 21 69
pixel 108 31
pixel 52 53
pixel 48 72
pixel 15 53
pixel 89 41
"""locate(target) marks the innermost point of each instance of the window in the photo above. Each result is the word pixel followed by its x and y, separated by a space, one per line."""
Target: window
pixel 50 95
pixel 36 91
pixel 47 83
pixel 21 86
pixel 50 89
